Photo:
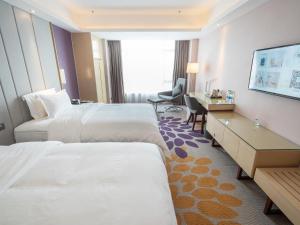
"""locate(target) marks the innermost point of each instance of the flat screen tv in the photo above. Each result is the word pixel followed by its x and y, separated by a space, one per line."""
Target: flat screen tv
pixel 277 71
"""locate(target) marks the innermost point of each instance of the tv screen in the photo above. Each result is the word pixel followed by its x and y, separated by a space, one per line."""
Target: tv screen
pixel 277 71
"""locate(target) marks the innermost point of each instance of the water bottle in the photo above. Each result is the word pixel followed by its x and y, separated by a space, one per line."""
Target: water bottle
pixel 229 96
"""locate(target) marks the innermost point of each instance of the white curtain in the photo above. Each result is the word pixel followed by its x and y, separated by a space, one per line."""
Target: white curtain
pixel 137 97
pixel 147 68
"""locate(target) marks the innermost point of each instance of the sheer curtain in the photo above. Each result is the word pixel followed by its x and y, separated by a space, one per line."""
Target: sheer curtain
pixel 147 68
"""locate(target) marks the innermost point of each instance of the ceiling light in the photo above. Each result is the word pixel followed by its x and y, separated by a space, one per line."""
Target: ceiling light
pixel 32 11
pixel 218 24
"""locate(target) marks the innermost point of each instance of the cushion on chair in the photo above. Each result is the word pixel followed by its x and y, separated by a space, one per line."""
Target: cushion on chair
pixel 176 90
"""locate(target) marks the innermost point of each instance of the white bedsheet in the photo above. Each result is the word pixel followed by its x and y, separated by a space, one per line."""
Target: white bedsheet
pixel 79 184
pixel 107 123
pixel 17 159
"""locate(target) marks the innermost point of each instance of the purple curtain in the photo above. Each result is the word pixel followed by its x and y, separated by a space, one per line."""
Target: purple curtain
pixel 116 71
pixel 181 61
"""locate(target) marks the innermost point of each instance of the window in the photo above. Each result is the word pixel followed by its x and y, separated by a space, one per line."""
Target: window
pixel 147 65
pixel 96 49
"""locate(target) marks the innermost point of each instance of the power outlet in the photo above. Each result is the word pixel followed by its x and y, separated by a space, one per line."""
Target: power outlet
pixel 2 126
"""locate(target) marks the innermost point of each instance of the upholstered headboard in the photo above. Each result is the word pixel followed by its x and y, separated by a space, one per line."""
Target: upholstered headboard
pixel 28 64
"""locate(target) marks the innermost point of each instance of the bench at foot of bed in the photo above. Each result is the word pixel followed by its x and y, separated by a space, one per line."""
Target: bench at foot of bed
pixel 282 186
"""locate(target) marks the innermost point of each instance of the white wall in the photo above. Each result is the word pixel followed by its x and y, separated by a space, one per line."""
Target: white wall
pixel 227 54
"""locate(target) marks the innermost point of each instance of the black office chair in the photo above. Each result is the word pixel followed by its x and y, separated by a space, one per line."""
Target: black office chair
pixel 195 109
pixel 175 94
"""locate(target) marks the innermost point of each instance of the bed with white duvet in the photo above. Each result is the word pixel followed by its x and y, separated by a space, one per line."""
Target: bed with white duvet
pixel 52 183
pixel 91 122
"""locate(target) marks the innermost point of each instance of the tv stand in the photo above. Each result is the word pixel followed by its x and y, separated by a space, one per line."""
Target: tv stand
pixel 249 145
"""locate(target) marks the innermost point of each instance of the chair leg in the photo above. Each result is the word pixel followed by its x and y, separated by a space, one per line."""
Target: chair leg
pixel 190 117
pixel 194 123
pixel 174 108
pixel 202 123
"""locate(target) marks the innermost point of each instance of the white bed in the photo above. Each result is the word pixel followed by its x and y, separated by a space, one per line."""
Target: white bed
pixel 96 123
pixel 52 183
pixel 33 130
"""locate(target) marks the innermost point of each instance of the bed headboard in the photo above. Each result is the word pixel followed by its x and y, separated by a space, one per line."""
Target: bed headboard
pixel 28 64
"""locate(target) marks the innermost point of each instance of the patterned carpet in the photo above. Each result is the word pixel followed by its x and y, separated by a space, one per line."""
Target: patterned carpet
pixel 202 181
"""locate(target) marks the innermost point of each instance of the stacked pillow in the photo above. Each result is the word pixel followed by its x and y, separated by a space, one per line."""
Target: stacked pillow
pixel 55 103
pixel 46 103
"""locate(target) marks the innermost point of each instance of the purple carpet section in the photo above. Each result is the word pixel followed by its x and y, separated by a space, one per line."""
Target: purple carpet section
pixel 179 136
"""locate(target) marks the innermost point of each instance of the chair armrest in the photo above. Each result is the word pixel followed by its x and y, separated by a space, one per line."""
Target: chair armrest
pixel 166 93
pixel 178 96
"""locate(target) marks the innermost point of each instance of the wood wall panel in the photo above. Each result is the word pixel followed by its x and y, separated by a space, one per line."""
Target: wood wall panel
pixel 44 41
pixel 84 62
pixel 30 51
pixel 6 136
pixel 27 64
pixel 8 88
pixel 13 48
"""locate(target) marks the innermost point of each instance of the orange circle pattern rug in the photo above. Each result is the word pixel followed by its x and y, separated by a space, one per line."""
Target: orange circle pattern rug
pixel 203 185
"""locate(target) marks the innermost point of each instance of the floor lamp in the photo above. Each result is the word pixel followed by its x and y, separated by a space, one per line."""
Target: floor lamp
pixel 192 69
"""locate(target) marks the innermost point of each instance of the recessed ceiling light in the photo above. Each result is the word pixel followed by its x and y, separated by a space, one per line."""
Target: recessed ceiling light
pixel 218 24
pixel 32 11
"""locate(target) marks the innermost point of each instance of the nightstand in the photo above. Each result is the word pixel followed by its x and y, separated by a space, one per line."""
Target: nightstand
pixel 78 101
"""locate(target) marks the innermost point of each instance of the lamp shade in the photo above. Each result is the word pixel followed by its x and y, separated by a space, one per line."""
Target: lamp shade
pixel 192 68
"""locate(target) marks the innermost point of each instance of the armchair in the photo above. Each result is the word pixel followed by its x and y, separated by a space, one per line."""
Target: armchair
pixel 174 95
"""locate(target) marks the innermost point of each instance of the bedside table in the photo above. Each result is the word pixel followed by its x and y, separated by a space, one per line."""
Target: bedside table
pixel 78 101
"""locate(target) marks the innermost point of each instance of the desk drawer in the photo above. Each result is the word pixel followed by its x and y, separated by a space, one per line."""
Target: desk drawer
pixel 210 124
pixel 218 131
pixel 231 143
pixel 215 128
pixel 246 158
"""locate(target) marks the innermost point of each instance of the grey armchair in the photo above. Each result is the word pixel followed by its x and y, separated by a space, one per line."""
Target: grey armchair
pixel 175 94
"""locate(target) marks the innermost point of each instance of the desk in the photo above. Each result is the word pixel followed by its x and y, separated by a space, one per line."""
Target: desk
pixel 212 104
pixel 249 145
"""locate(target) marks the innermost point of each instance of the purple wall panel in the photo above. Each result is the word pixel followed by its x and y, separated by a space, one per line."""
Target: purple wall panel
pixel 65 57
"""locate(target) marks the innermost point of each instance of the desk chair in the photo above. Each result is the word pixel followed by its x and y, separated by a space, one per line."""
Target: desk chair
pixel 195 109
pixel 175 94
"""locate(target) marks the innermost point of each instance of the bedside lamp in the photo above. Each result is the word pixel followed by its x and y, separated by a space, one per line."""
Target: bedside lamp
pixel 192 69
pixel 62 77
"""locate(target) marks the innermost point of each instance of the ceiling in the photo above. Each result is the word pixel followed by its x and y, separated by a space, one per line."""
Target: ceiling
pixel 147 35
pixel 173 16
pixel 92 4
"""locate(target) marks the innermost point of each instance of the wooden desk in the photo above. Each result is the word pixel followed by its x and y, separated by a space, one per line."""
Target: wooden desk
pixel 251 146
pixel 212 104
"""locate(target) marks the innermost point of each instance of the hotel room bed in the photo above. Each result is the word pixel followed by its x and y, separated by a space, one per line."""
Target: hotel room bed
pixel 95 183
pixel 96 123
pixel 33 130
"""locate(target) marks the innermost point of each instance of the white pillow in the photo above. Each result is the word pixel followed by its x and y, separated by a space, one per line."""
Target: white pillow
pixel 35 105
pixel 56 102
